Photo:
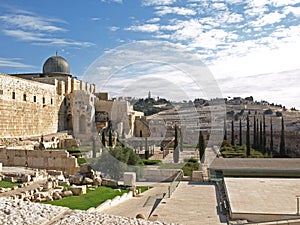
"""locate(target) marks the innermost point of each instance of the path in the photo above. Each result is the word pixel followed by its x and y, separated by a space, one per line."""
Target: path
pixel 139 205
pixel 190 204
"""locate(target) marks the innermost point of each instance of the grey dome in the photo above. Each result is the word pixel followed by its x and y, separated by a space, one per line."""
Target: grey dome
pixel 56 64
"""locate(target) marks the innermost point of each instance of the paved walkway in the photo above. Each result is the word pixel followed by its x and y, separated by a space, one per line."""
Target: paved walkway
pixel 190 204
pixel 139 205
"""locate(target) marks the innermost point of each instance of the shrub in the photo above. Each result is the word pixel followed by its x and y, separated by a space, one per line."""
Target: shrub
pixel 151 162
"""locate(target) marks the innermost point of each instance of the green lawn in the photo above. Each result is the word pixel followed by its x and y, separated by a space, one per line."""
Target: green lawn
pixel 6 184
pixel 88 200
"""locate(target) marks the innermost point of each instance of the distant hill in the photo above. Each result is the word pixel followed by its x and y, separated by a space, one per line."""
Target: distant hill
pixel 151 106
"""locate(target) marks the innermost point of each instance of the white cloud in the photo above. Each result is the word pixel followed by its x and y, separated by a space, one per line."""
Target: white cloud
pixel 154 20
pixel 266 19
pixel 41 39
pixel 144 28
pixel 278 3
pixel 28 22
pixel 113 28
pixel 14 63
pixel 116 1
pixel 157 2
pixel 38 30
pixel 164 10
pixel 294 10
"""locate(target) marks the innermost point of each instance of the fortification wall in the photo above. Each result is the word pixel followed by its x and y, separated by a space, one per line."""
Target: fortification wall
pixel 40 159
pixel 28 108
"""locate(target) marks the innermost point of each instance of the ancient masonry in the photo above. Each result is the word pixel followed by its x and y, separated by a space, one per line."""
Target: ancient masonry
pixel 37 104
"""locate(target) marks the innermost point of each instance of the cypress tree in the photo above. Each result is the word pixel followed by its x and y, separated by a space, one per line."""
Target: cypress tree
pixel 176 150
pixel 201 146
pixel 94 148
pixel 103 139
pixel 260 136
pixel 225 129
pixel 248 138
pixel 181 140
pixel 110 140
pixel 232 132
pixel 264 135
pixel 141 135
pixel 282 150
pixel 241 133
pixel 254 134
pixel 257 134
pixel 146 149
pixel 271 138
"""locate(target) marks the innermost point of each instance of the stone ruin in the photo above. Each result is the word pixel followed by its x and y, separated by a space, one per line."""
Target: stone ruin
pixel 41 185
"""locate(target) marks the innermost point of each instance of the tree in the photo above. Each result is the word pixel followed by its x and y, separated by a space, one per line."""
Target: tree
pixel 254 134
pixel 146 149
pixel 241 133
pixel 225 129
pixel 260 135
pixel 103 139
pixel 248 138
pixel 232 132
pixel 176 150
pixel 110 140
pixel 264 135
pixel 181 140
pixel 282 150
pixel 94 148
pixel 271 138
pixel 201 146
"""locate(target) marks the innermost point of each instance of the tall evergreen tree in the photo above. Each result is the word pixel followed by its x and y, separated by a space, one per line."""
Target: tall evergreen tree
pixel 241 133
pixel 264 135
pixel 201 146
pixel 103 139
pixel 146 149
pixel 260 135
pixel 232 132
pixel 176 149
pixel 225 129
pixel 254 145
pixel 94 148
pixel 257 134
pixel 271 138
pixel 248 138
pixel 181 140
pixel 110 140
pixel 282 150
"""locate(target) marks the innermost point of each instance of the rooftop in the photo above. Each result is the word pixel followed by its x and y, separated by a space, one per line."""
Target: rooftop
pixel 262 195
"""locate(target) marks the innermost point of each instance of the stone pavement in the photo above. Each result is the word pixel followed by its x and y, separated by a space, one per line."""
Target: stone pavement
pixel 190 204
pixel 139 205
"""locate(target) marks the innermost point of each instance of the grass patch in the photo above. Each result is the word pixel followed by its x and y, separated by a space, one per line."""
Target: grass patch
pixel 143 188
pixel 236 151
pixel 88 200
pixel 7 184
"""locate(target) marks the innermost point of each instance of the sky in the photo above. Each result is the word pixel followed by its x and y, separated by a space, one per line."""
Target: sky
pixel 250 47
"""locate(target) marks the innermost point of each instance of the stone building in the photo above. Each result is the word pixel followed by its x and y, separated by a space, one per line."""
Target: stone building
pixel 35 104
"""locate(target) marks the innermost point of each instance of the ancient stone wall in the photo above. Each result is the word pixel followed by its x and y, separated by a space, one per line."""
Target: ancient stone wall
pixel 40 159
pixel 28 108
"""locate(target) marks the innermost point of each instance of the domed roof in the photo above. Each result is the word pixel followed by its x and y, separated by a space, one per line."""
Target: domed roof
pixel 56 64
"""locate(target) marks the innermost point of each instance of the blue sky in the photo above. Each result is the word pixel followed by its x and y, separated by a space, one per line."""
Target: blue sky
pixel 251 47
